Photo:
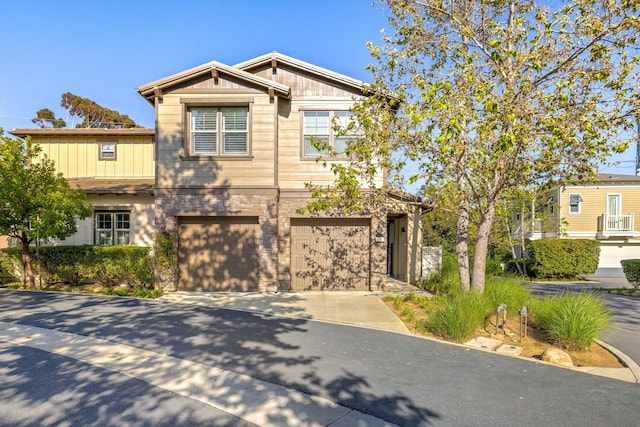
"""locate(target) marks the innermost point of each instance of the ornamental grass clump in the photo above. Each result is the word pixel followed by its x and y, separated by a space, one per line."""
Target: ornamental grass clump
pixel 507 290
pixel 572 320
pixel 458 318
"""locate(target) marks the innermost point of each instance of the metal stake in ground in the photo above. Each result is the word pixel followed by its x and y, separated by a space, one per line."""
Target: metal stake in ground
pixel 501 308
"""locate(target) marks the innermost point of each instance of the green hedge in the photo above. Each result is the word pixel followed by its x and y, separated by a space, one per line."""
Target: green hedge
pixel 631 268
pixel 562 258
pixel 106 265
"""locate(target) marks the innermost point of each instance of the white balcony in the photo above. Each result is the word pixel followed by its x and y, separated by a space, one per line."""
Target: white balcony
pixel 616 225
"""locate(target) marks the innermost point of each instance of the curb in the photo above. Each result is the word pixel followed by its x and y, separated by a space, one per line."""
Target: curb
pixel 631 364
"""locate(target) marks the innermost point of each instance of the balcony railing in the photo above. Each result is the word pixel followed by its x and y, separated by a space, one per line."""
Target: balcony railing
pixel 616 224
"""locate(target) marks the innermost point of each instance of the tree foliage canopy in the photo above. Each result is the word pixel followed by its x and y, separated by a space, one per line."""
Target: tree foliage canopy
pixel 92 114
pixel 47 118
pixel 35 202
pixel 489 95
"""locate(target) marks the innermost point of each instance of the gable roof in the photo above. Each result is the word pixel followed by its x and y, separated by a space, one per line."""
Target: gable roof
pixel 242 71
pixel 150 90
pixel 275 58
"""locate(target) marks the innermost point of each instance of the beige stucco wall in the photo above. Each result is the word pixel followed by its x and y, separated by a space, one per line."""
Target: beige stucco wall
pixel 142 219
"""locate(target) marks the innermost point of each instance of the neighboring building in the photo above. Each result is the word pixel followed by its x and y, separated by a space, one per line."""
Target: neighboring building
pixel 604 210
pixel 224 172
pixel 115 167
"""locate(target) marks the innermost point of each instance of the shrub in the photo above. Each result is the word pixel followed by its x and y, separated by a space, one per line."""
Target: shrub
pixel 631 268
pixel 494 267
pixel 458 318
pixel 571 320
pixel 107 265
pixel 562 258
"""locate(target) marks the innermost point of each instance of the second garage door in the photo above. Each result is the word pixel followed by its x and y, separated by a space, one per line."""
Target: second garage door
pixel 218 254
pixel 330 254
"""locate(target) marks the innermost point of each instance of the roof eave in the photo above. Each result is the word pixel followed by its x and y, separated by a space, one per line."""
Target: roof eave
pixel 148 91
pixel 24 132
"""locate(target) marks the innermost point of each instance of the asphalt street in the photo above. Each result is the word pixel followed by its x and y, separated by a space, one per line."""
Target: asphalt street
pixel 405 380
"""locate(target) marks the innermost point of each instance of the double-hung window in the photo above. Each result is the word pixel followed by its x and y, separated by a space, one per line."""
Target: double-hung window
pixel 575 200
pixel 218 131
pixel 332 129
pixel 113 228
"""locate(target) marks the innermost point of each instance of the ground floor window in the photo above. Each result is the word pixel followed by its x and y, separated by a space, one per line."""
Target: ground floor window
pixel 112 228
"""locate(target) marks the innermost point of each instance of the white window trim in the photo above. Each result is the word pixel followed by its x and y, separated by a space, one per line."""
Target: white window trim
pixel 619 203
pixel 579 204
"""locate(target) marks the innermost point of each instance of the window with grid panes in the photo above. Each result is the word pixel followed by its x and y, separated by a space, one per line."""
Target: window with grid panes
pixel 112 228
pixel 219 131
pixel 319 126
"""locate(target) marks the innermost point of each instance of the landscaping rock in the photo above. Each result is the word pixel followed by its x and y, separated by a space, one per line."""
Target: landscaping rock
pixel 557 357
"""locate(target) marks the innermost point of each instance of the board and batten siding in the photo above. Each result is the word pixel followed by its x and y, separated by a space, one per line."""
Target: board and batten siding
pixel 78 156
pixel 304 84
pixel 176 171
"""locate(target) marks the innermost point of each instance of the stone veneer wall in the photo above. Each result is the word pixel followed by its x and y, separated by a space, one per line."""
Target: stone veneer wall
pixel 169 205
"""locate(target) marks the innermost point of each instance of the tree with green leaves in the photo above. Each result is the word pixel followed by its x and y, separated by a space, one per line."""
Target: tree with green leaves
pixel 499 94
pixel 46 118
pixel 93 115
pixel 35 201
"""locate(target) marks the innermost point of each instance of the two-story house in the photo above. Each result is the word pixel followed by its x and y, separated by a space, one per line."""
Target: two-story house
pixel 224 173
pixel 604 210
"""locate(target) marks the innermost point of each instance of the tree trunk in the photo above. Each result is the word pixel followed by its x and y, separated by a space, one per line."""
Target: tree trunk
pixel 26 253
pixel 512 247
pixel 482 245
pixel 523 249
pixel 462 245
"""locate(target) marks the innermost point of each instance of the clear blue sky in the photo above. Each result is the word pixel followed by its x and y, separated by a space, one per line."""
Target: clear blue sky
pixel 104 50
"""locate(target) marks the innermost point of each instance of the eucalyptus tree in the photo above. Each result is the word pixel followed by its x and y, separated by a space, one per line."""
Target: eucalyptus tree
pixel 493 95
pixel 93 115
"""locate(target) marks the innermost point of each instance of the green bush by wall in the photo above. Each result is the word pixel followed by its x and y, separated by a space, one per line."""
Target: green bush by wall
pixel 631 268
pixel 107 265
pixel 562 258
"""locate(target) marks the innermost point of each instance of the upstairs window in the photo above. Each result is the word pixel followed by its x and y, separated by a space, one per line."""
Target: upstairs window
pixel 217 131
pixel 107 150
pixel 113 228
pixel 575 202
pixel 320 126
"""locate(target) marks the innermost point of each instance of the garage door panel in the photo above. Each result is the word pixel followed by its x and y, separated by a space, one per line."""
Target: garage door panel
pixel 218 255
pixel 611 255
pixel 330 254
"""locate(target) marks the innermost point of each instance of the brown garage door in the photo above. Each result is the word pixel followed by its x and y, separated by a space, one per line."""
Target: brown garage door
pixel 218 254
pixel 330 254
